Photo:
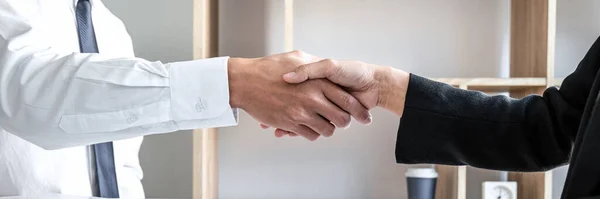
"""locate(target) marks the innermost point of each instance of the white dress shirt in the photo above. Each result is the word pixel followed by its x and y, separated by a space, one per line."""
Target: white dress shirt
pixel 55 100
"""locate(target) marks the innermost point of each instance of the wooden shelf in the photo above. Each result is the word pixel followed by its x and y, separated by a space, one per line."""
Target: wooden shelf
pixel 531 68
pixel 494 82
pixel 499 84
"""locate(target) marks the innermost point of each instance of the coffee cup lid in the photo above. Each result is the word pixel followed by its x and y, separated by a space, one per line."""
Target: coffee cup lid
pixel 421 173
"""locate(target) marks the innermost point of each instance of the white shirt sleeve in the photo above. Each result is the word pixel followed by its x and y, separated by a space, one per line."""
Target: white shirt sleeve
pixel 57 99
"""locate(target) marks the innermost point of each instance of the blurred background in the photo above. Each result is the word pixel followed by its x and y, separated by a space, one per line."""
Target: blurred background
pixel 433 38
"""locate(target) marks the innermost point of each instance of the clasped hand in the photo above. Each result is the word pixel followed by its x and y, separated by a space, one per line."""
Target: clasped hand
pixel 301 94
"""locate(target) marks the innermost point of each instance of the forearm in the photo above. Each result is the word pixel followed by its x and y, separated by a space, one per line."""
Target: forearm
pixel 83 99
pixel 445 125
pixel 56 99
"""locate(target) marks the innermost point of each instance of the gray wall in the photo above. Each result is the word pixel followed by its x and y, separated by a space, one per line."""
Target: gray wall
pixel 162 30
pixel 433 38
pixel 578 26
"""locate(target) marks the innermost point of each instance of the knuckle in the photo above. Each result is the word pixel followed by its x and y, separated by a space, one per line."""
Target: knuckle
pixel 359 63
pixel 348 101
pixel 332 67
pixel 330 62
pixel 296 114
pixel 297 53
pixel 291 112
pixel 313 98
pixel 302 68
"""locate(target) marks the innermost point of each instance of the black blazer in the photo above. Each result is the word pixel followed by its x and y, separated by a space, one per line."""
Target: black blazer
pixel 445 125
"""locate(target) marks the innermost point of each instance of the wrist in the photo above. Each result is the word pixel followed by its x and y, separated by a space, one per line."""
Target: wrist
pixel 235 71
pixel 392 89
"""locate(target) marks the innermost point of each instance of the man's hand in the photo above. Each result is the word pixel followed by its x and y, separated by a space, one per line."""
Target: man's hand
pixel 372 85
pixel 310 109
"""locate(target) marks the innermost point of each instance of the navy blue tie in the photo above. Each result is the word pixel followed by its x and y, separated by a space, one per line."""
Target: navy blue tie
pixel 106 177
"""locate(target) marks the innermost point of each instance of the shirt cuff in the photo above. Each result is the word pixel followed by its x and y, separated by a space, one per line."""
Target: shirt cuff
pixel 200 92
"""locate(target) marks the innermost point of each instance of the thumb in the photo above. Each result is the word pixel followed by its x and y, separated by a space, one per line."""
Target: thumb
pixel 316 70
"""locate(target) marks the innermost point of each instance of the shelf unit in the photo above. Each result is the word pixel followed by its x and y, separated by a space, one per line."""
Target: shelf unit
pixel 533 30
pixel 487 84
pixel 533 27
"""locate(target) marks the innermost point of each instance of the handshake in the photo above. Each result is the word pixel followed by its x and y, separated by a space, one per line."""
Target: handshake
pixel 304 95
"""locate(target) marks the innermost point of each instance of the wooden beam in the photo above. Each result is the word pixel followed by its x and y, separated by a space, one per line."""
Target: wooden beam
pixel 532 55
pixel 289 25
pixel 495 82
pixel 495 85
pixel 451 182
pixel 551 80
pixel 205 156
pixel 501 84
pixel 206 173
pixel 551 42
pixel 529 37
pixel 533 185
pixel 462 182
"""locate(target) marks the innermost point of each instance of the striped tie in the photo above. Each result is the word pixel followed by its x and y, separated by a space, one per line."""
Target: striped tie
pixel 106 178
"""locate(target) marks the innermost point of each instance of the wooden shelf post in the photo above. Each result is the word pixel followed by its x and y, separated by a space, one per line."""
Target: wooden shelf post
pixel 451 182
pixel 289 25
pixel 205 156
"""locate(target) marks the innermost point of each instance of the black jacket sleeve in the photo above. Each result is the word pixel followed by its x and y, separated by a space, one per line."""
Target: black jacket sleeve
pixel 445 125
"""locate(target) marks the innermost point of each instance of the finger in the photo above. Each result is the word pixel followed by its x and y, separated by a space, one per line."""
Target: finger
pixel 306 132
pixel 320 125
pixel 346 102
pixel 322 69
pixel 333 113
pixel 264 126
pixel 280 133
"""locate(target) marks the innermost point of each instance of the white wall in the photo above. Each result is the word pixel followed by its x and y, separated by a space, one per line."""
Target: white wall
pixel 432 38
pixel 578 26
pixel 162 30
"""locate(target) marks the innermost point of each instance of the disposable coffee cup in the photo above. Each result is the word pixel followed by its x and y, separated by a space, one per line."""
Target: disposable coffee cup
pixel 421 183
